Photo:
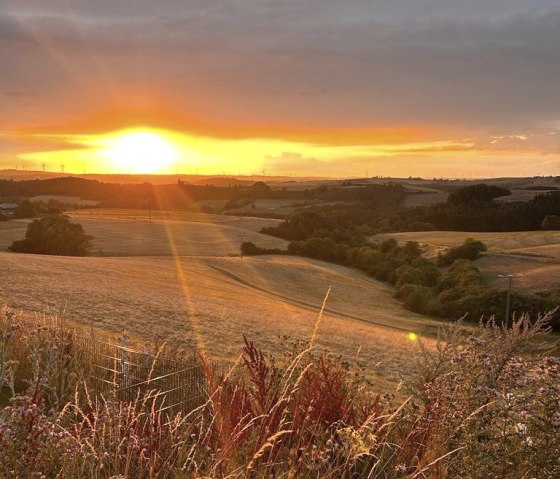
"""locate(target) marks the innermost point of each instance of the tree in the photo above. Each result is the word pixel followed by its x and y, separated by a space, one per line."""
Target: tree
pixel 415 297
pixel 249 249
pixel 477 194
pixel 25 210
pixel 470 250
pixel 55 235
pixel 551 222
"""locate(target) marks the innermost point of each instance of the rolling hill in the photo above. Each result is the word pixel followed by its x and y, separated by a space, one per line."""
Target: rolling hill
pixel 210 302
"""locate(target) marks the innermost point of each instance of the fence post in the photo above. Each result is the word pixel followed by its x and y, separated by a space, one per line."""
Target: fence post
pixel 123 340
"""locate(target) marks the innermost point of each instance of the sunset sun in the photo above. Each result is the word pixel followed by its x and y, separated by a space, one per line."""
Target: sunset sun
pixel 141 152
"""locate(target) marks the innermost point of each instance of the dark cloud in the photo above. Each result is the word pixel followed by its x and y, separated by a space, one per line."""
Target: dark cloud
pixel 484 67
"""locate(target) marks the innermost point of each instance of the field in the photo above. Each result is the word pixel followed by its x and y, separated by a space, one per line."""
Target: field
pixel 271 207
pixel 69 200
pixel 11 231
pixel 533 256
pixel 516 241
pixel 129 232
pixel 210 302
pixel 172 278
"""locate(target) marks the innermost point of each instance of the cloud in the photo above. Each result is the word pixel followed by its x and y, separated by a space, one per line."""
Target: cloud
pixel 355 63
pixel 476 69
pixel 546 143
pixel 291 163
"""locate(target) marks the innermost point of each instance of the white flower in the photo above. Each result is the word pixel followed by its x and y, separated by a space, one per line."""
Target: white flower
pixel 520 428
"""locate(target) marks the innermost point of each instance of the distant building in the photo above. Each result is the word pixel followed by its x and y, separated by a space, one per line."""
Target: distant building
pixel 8 208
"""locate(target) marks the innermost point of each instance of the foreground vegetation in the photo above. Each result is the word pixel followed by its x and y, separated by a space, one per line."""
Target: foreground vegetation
pixel 483 404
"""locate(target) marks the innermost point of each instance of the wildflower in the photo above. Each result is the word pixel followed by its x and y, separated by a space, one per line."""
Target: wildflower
pixel 520 428
pixel 475 341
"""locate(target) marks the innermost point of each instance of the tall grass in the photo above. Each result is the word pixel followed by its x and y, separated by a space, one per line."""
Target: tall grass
pixel 482 405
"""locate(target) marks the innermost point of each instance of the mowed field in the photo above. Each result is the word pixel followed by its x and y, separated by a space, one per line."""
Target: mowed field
pixel 211 302
pixel 131 232
pixel 533 256
pixel 176 277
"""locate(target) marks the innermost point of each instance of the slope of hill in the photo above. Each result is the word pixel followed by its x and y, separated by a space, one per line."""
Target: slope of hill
pixel 211 302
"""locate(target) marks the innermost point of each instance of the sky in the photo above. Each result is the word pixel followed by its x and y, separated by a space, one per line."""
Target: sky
pixel 432 88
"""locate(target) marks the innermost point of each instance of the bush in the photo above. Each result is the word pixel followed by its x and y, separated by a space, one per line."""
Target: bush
pixel 470 250
pixel 463 276
pixel 388 245
pixel 251 249
pixel 415 297
pixel 54 235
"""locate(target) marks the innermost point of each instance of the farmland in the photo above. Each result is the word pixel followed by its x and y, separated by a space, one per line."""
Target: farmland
pixel 517 241
pixel 128 232
pixel 210 302
pixel 171 277
pixel 177 276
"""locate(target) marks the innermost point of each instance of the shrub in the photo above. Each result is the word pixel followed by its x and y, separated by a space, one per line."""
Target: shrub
pixel 470 250
pixel 496 402
pixel 415 297
pixel 251 249
pixel 388 245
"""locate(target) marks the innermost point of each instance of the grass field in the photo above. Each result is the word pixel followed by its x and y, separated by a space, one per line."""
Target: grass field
pixel 172 277
pixel 210 302
pixel 516 241
pixel 130 233
pixel 11 231
pixel 70 200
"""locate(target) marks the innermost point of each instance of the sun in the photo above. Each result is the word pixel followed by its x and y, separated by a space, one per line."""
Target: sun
pixel 141 152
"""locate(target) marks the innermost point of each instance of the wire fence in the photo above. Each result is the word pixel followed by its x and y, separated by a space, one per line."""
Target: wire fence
pixel 115 370
pixel 173 385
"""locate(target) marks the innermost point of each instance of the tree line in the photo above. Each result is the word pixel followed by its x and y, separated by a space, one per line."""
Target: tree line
pixel 185 195
pixel 419 283
pixel 466 212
